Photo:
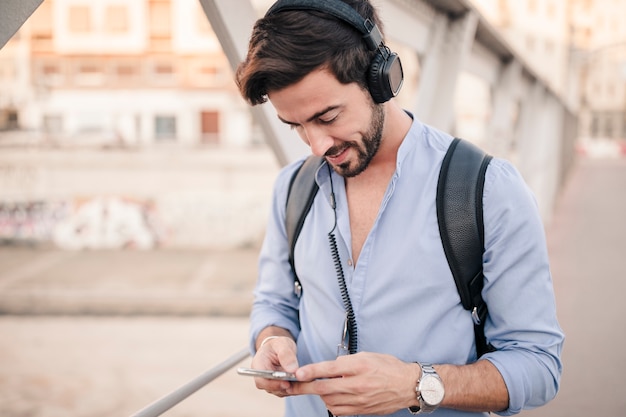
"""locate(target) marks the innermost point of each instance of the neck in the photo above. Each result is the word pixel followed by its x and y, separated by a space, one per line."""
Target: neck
pixel 397 125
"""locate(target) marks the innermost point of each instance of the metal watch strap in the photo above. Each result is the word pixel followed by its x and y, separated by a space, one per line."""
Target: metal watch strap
pixel 423 408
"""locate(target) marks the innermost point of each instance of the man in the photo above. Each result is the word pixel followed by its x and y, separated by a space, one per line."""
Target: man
pixel 377 200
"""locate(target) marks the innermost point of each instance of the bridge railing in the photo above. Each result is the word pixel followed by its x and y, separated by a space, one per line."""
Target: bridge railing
pixel 175 397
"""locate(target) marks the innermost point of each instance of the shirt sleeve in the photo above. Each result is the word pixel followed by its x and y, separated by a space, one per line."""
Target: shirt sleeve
pixel 522 323
pixel 275 303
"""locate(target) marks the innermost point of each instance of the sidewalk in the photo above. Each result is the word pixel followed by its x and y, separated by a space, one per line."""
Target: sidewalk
pixel 587 244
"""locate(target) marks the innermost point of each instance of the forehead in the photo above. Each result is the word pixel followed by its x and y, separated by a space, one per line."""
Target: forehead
pixel 318 90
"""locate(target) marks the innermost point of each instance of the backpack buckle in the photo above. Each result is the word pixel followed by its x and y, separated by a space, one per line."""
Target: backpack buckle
pixel 476 316
pixel 479 313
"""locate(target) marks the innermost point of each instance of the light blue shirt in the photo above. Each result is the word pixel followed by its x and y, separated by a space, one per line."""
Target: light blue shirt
pixel 403 294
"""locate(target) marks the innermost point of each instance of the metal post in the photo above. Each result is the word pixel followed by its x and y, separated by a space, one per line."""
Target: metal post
pixel 13 14
pixel 170 400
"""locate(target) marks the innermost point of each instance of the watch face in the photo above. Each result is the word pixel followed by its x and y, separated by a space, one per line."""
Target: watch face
pixel 431 390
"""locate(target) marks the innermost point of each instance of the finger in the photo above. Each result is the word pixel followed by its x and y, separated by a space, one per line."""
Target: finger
pixel 286 353
pixel 280 353
pixel 325 370
pixel 272 386
pixel 321 387
pixel 330 392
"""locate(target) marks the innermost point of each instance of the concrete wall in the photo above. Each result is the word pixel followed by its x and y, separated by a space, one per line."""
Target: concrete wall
pixel 167 197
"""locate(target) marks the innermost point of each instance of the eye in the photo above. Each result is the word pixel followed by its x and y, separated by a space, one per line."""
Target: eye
pixel 328 120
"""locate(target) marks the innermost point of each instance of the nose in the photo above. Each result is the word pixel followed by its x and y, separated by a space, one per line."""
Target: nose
pixel 318 140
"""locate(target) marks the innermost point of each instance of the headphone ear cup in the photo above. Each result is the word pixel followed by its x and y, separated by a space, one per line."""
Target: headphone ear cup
pixel 385 76
pixel 376 79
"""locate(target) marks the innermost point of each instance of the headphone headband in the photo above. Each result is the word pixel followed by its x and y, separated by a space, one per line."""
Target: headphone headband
pixel 371 34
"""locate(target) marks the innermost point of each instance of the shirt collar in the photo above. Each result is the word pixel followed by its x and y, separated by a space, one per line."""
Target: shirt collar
pixel 410 141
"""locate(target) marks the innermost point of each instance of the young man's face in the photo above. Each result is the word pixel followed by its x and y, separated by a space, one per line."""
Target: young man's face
pixel 338 121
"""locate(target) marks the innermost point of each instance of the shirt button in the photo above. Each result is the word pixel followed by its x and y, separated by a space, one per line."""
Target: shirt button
pixel 349 262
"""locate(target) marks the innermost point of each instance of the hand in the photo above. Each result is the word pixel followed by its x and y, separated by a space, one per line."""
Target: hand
pixel 276 354
pixel 364 383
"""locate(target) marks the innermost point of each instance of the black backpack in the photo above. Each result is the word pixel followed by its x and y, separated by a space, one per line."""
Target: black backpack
pixel 459 213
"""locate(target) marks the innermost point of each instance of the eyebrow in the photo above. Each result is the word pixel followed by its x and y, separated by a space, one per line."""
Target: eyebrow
pixel 315 116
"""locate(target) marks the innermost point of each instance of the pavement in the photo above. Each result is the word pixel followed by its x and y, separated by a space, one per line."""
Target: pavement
pixel 104 333
pixel 587 245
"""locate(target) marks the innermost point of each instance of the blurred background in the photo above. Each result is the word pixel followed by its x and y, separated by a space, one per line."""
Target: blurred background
pixel 135 182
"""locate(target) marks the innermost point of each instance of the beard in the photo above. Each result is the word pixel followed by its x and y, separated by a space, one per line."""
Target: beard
pixel 366 150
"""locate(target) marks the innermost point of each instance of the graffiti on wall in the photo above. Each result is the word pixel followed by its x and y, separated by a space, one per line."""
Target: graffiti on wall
pixel 32 221
pixel 95 223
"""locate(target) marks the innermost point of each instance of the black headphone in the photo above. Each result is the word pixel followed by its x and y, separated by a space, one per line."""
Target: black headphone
pixel 384 75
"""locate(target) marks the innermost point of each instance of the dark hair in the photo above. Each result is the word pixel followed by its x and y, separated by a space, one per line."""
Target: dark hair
pixel 287 46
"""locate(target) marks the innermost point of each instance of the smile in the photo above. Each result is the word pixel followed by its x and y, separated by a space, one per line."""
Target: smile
pixel 338 157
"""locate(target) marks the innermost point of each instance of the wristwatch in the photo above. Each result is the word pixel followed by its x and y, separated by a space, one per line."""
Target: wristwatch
pixel 429 390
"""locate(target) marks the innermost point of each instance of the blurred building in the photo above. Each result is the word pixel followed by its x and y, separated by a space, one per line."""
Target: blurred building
pixel 599 47
pixel 123 73
pixel 121 126
pixel 579 48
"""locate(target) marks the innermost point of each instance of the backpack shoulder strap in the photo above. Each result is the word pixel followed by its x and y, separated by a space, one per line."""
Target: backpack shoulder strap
pixel 300 196
pixel 460 218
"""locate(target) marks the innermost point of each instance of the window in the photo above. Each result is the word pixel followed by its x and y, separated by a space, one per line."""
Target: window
pixel 210 127
pixel 50 69
pixel 127 71
pixel 208 71
pixel 163 73
pixel 80 19
pixel 595 128
pixel 9 119
pixel 41 28
pixel 608 126
pixel 50 73
pixel 89 74
pixel 160 19
pixel 164 69
pixel 165 127
pixel 41 20
pixel 116 19
pixel 160 22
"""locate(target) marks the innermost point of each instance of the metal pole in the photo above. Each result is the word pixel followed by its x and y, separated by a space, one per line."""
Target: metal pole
pixel 13 14
pixel 170 400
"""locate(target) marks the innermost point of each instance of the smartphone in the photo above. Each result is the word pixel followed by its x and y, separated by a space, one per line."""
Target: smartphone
pixel 280 375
